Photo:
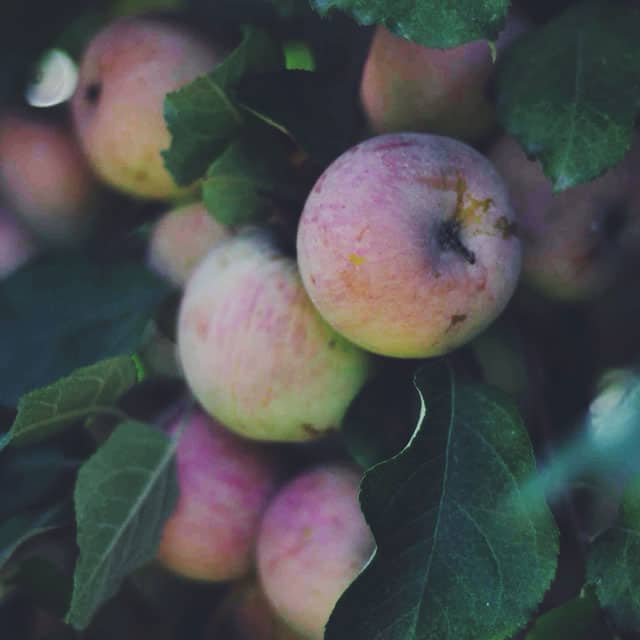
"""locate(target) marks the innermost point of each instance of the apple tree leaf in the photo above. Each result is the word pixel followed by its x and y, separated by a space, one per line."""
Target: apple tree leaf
pixel 382 417
pixel 578 619
pixel 570 91
pixel 250 177
pixel 66 312
pixel 16 530
pixel 203 116
pixel 432 23
pixel 463 551
pixel 124 494
pixel 613 564
pixel 87 391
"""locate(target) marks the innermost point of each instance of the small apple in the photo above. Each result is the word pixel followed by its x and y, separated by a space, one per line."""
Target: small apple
pixel 255 352
pixel 117 108
pixel 246 614
pixel 574 242
pixel 408 245
pixel 17 246
pixel 312 544
pixel 45 179
pixel 408 87
pixel 181 239
pixel 225 483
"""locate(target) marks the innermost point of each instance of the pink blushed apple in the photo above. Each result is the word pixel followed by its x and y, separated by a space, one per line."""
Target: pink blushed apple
pixel 225 483
pixel 45 179
pixel 255 352
pixel 312 544
pixel 408 245
pixel 408 87
pixel 574 242
pixel 17 246
pixel 117 108
pixel 181 239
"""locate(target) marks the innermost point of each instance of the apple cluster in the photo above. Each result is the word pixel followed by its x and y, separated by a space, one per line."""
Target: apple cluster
pixel 409 245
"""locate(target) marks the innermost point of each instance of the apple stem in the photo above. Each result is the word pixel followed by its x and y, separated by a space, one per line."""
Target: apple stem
pixel 449 240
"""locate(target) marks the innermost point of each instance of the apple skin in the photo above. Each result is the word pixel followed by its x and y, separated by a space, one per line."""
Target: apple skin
pixel 408 245
pixel 17 246
pixel 45 179
pixel 117 108
pixel 312 544
pixel 408 87
pixel 181 239
pixel 574 242
pixel 225 484
pixel 246 614
pixel 254 351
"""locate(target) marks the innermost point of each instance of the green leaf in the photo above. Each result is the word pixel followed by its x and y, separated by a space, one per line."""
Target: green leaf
pixel 461 553
pixel 203 116
pixel 87 391
pixel 63 313
pixel 16 530
pixel 577 619
pixel 246 181
pixel 613 564
pixel 570 91
pixel 382 417
pixel 432 23
pixel 31 474
pixel 124 495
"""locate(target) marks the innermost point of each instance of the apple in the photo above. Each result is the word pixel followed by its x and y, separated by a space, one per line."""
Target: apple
pixel 17 246
pixel 574 242
pixel 408 87
pixel 45 179
pixel 246 614
pixel 408 245
pixel 225 483
pixel 312 543
pixel 117 108
pixel 181 239
pixel 255 352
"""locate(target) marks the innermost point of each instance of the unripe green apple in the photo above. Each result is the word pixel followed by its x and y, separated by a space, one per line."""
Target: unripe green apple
pixel 408 87
pixel 225 483
pixel 117 108
pixel 255 352
pixel 181 239
pixel 312 543
pixel 16 245
pixel 408 245
pixel 574 242
pixel 45 179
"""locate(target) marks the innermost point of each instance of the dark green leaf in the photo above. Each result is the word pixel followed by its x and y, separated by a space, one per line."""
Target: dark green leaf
pixel 578 619
pixel 613 564
pixel 87 391
pixel 432 23
pixel 203 116
pixel 252 174
pixel 570 91
pixel 18 529
pixel 42 575
pixel 124 495
pixel 28 476
pixel 462 552
pixel 382 417
pixel 63 313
